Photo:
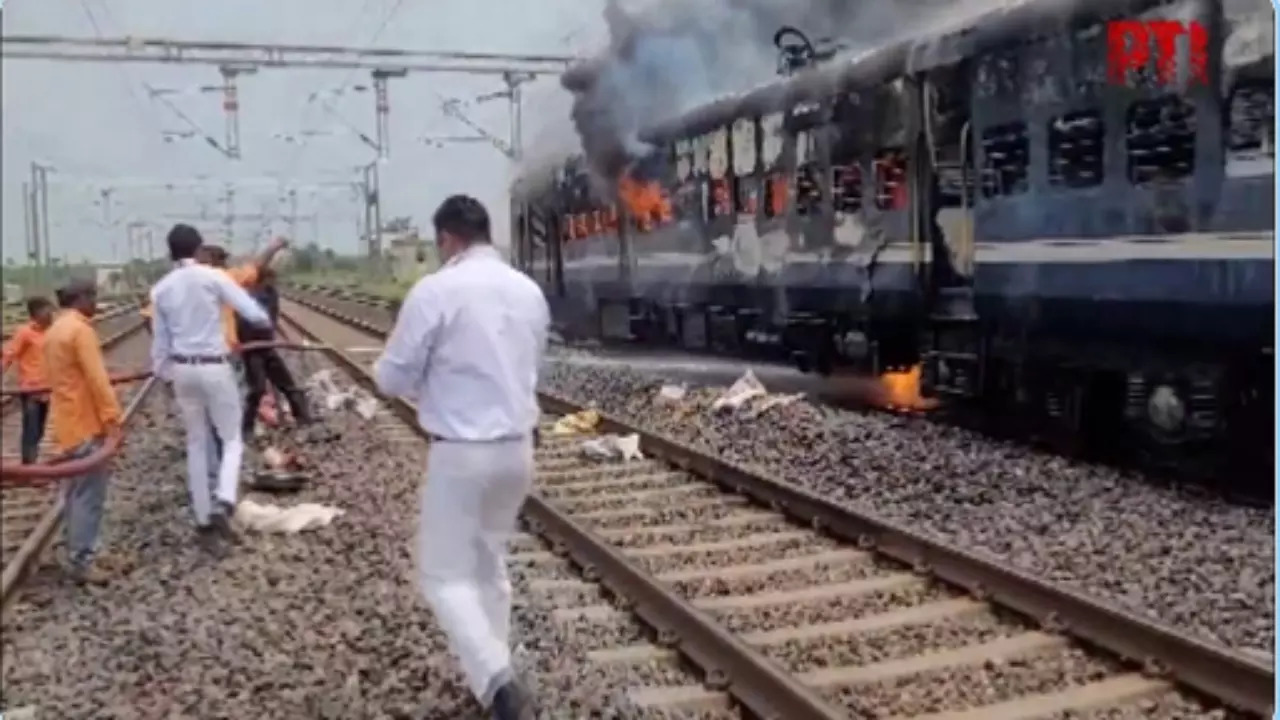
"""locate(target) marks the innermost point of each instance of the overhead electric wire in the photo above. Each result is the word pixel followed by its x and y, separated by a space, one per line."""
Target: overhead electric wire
pixel 129 82
pixel 326 105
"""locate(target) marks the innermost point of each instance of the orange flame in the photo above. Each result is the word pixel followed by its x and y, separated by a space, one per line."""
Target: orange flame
pixel 646 202
pixel 778 188
pixel 900 390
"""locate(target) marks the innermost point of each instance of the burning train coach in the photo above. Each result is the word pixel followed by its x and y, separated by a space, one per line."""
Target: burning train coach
pixel 983 206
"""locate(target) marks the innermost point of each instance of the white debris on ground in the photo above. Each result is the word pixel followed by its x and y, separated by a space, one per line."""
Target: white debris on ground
pixel 672 394
pixel 267 518
pixel 335 397
pixel 613 447
pixel 748 396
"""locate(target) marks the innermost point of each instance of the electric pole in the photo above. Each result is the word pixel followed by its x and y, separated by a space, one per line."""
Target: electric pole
pixel 372 208
pixel 293 214
pixel 39 250
pixel 231 105
pixel 105 195
pixel 229 216
pixel 28 240
pixel 383 108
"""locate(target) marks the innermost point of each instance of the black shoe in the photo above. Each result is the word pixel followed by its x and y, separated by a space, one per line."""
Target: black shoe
pixel 512 702
pixel 221 522
pixel 209 540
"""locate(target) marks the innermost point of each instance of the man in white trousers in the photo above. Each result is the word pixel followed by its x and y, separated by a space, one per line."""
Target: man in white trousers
pixel 466 347
pixel 189 350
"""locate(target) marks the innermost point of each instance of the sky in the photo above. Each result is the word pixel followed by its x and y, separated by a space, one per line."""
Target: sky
pixel 94 122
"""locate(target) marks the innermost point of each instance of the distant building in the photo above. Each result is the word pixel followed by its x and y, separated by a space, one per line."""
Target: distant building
pixel 411 257
pixel 110 279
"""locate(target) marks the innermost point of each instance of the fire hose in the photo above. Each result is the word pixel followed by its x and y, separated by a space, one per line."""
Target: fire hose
pixel 62 466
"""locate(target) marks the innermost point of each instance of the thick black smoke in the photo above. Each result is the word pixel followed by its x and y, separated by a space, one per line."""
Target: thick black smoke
pixel 672 55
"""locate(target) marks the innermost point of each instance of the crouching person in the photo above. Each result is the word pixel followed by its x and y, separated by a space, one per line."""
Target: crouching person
pixel 83 413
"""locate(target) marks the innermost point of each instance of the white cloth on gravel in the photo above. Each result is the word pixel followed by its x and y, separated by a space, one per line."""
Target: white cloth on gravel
pixel 284 520
pixel 365 405
pixel 749 394
pixel 613 447
pixel 740 392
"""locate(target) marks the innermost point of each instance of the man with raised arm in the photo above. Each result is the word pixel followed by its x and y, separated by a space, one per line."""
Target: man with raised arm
pixel 244 275
pixel 467 346
pixel 189 349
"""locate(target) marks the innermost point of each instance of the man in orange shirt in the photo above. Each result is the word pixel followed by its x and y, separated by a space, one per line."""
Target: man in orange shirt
pixel 84 412
pixel 27 348
pixel 244 275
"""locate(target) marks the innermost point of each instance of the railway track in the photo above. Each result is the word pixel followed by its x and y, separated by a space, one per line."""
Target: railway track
pixel 106 309
pixel 29 516
pixel 760 600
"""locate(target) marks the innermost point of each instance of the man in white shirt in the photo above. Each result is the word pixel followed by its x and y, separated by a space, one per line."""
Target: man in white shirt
pixel 466 347
pixel 189 349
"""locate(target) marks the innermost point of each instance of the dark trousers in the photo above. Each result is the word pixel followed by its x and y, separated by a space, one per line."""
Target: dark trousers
pixel 259 367
pixel 34 414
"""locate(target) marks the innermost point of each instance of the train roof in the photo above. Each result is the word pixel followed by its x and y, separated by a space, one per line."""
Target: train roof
pixel 974 35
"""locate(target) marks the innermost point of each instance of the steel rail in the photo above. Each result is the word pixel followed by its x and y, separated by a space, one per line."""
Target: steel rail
pixel 729 664
pixel 6 400
pixel 1230 676
pixel 114 312
pixel 16 569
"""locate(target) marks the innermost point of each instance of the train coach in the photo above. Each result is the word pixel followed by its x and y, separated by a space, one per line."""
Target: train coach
pixel 984 205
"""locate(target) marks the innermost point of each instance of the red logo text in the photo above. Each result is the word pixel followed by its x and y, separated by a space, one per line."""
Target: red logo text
pixel 1130 47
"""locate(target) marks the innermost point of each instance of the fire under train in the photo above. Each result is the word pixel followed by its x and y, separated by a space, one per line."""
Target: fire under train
pixel 983 207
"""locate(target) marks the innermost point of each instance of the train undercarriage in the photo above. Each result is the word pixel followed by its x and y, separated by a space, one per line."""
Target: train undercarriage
pixel 1198 415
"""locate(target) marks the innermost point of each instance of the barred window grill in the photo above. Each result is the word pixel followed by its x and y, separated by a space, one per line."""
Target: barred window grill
pixel 808 191
pixel 891 179
pixel 1076 143
pixel 846 181
pixel 1160 136
pixel 1251 123
pixel 1005 157
pixel 955 183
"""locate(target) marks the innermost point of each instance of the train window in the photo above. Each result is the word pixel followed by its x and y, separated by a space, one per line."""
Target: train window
pixel 744 146
pixel 720 164
pixel 1250 133
pixel 846 184
pixel 684 160
pixel 1160 137
pixel 771 140
pixel 1005 157
pixel 719 198
pixel 891 179
pixel 808 187
pixel 1076 149
pixel 776 190
pixel 745 154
